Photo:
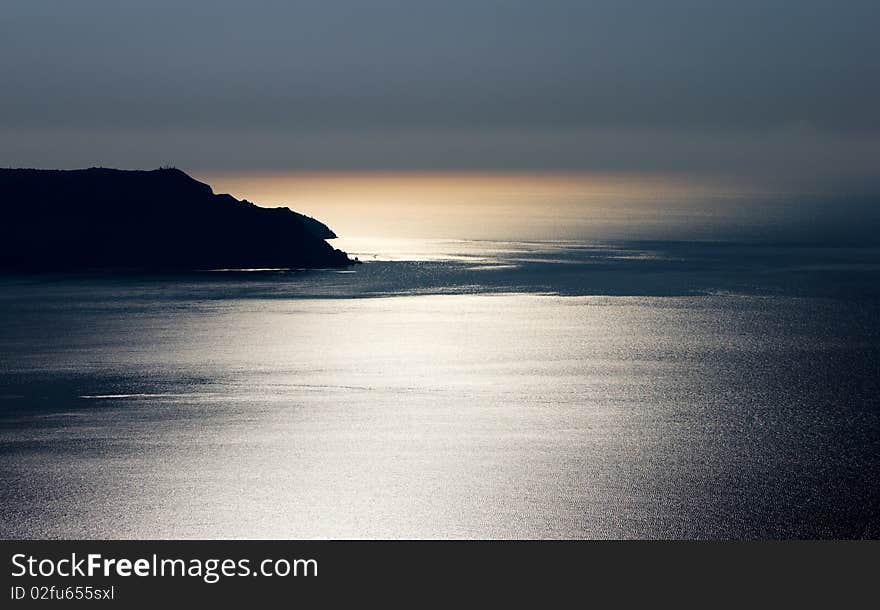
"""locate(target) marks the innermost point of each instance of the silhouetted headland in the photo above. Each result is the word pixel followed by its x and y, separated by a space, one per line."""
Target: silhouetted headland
pixel 71 220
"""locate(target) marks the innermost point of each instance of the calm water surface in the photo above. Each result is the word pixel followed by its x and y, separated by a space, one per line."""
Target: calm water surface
pixel 450 389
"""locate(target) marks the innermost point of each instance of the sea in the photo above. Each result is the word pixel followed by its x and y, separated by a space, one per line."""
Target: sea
pixel 451 388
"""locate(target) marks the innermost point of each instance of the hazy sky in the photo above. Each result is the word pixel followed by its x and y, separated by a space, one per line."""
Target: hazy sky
pixel 753 86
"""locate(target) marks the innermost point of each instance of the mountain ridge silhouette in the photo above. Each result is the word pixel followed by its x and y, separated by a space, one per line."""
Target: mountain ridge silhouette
pixel 163 219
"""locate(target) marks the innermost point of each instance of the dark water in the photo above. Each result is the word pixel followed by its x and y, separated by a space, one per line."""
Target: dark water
pixel 496 389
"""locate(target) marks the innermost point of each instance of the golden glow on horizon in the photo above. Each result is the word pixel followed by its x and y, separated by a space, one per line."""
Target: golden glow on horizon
pixel 468 205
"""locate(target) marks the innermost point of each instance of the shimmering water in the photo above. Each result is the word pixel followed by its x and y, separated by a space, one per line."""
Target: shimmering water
pixel 461 389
